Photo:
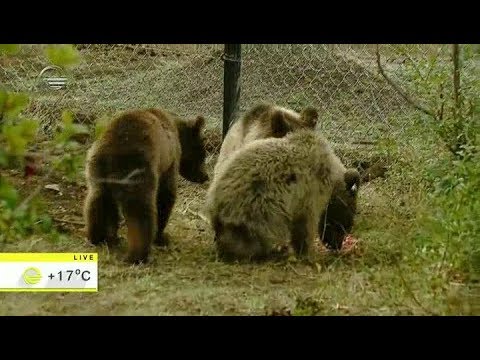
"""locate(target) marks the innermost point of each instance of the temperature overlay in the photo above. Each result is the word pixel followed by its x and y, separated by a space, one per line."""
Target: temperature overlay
pixel 36 272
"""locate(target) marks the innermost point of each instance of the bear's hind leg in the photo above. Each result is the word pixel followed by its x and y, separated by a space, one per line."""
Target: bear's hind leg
pixel 141 219
pixel 166 196
pixel 101 216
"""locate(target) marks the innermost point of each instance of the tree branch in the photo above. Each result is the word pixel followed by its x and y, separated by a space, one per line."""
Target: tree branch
pixel 402 93
pixel 442 105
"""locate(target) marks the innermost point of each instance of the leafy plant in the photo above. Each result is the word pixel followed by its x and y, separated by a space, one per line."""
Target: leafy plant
pixel 450 88
pixel 63 55
pixel 446 86
pixel 20 218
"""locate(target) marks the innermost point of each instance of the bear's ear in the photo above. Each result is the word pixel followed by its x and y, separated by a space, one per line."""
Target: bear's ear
pixel 309 116
pixel 199 122
pixel 352 181
pixel 279 124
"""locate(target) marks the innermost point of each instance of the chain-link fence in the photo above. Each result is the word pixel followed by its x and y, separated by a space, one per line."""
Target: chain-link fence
pixel 116 77
pixel 343 81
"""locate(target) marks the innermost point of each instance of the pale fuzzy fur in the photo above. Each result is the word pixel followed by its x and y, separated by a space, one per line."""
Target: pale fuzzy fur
pixel 275 189
pixel 250 128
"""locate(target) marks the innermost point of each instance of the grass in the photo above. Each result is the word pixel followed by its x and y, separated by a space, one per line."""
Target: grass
pixel 380 276
pixel 389 272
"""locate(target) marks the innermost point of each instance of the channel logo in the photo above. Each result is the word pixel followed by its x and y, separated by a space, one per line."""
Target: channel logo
pixel 32 276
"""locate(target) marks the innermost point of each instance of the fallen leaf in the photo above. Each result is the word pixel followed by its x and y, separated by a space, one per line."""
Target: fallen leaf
pixel 54 187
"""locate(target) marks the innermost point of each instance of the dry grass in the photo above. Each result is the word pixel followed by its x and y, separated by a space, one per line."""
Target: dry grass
pixel 380 276
pixel 187 279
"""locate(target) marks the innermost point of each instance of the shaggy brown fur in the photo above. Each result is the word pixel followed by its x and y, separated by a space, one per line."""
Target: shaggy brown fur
pixel 261 122
pixel 267 121
pixel 135 165
pixel 272 192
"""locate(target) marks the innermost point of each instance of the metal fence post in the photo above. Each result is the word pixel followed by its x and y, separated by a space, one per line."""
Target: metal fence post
pixel 232 58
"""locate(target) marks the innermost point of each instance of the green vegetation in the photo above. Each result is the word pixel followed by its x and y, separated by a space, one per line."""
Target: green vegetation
pixel 418 230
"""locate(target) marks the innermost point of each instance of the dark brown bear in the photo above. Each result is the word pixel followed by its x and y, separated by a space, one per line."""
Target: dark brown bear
pixel 134 165
pixel 338 219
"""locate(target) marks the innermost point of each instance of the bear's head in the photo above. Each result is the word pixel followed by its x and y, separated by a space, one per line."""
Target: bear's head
pixel 338 219
pixel 267 121
pixel 192 162
pixel 281 121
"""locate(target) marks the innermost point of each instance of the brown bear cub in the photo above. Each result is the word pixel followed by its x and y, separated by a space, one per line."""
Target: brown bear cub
pixel 134 165
pixel 272 193
pixel 261 122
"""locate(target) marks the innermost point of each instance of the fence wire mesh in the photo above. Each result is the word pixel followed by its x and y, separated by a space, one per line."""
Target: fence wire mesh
pixel 343 81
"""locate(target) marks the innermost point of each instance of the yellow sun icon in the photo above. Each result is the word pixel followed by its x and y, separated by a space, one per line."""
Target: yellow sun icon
pixel 32 276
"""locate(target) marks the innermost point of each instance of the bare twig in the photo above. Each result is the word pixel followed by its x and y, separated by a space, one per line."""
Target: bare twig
pixel 199 215
pixel 299 274
pixel 402 93
pixel 439 50
pixel 414 64
pixel 442 105
pixel 69 221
